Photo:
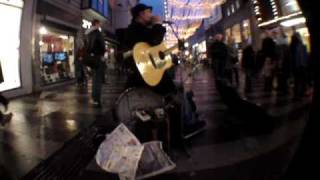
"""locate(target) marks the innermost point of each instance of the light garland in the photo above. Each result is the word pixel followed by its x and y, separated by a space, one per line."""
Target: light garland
pixel 274 9
pixel 187 16
pixel 280 19
pixel 202 3
pixel 190 18
pixel 257 9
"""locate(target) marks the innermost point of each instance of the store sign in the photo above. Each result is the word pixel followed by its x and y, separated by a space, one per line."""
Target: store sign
pixel 10 43
pixel 86 24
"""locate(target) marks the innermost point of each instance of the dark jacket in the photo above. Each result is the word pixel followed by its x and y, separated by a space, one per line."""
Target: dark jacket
pixel 299 55
pixel 269 48
pixel 248 59
pixel 219 51
pixel 95 42
pixel 137 32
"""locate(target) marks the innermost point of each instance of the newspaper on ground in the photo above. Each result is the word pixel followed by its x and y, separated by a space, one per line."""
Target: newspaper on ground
pixel 154 161
pixel 122 153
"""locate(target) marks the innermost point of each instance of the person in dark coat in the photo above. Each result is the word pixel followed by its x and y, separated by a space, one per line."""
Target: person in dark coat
pixel 299 58
pixel 284 65
pixel 148 28
pixel 96 46
pixel 270 58
pixel 219 55
pixel 145 28
pixel 248 65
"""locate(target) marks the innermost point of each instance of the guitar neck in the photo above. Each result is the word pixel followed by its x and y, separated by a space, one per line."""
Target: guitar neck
pixel 168 51
pixel 127 54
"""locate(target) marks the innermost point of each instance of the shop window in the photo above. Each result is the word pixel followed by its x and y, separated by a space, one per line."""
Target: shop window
pixel 227 34
pixel 10 44
pixel 110 55
pixel 289 6
pixel 238 4
pixel 57 56
pixel 246 33
pixel 228 12
pixel 303 31
pixel 236 33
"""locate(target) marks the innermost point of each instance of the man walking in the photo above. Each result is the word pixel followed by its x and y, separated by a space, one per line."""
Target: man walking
pixel 96 49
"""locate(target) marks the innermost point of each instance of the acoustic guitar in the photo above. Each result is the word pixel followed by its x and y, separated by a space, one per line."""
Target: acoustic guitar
pixel 151 61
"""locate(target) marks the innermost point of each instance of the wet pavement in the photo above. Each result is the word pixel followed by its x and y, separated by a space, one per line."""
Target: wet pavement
pixel 43 123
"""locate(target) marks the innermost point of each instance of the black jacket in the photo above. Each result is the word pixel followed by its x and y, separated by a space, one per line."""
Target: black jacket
pixel 219 51
pixel 269 48
pixel 137 32
pixel 248 58
pixel 95 42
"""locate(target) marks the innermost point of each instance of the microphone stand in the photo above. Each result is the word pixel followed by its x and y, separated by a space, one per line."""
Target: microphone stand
pixel 180 46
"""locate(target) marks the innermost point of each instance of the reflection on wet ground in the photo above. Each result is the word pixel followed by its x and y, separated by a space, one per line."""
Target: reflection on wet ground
pixel 44 122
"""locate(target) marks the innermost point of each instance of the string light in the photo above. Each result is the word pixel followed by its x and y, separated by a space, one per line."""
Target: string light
pixel 274 9
pixel 202 3
pixel 280 19
pixel 187 16
pixel 257 10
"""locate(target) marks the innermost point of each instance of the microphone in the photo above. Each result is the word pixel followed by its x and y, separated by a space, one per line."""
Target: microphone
pixel 167 22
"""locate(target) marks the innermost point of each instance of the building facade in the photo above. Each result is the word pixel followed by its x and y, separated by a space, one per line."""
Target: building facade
pixel 281 14
pixel 238 25
pixel 41 40
pixel 56 26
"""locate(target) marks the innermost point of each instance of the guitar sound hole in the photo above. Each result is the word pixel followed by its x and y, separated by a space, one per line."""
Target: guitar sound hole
pixel 162 55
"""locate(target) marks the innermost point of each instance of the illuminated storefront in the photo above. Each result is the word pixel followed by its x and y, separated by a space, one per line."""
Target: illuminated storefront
pixel 295 24
pixel 55 43
pixel 285 14
pixel 10 43
pixel 56 56
pixel 199 50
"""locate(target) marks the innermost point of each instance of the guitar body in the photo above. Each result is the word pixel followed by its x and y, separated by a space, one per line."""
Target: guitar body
pixel 151 62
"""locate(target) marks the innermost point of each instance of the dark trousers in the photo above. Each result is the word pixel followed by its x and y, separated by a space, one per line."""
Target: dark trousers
pixel 219 68
pixel 268 83
pixel 283 82
pixel 97 83
pixel 80 72
pixel 300 82
pixel 235 73
pixel 104 67
pixel 248 80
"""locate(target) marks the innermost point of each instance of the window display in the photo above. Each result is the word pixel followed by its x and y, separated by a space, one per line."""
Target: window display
pixel 10 43
pixel 246 33
pixel 236 33
pixel 289 6
pixel 228 34
pixel 56 55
